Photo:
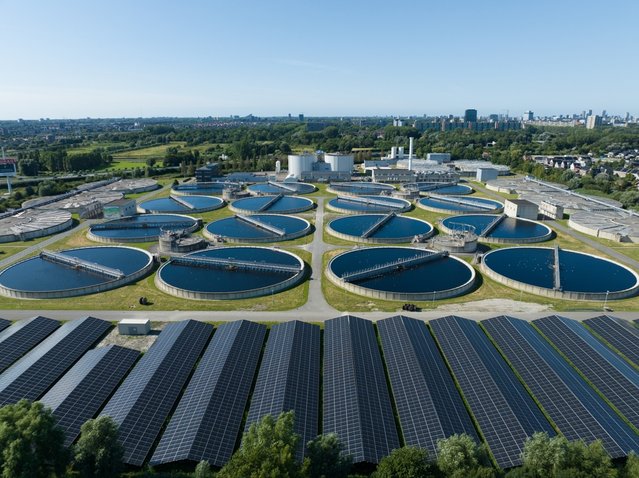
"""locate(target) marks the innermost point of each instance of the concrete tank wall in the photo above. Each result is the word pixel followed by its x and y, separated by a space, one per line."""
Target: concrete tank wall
pixel 388 295
pixel 45 231
pixel 94 289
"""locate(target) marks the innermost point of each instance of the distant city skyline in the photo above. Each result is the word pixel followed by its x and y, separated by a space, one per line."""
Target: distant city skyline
pixel 76 59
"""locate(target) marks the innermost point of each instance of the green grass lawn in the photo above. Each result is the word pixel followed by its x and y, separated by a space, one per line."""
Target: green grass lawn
pixel 143 154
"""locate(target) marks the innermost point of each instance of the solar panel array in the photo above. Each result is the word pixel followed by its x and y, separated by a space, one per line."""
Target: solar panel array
pixel 142 403
pixel 289 379
pixel 32 375
pixel 357 404
pixel 207 421
pixel 84 389
pixel 577 410
pixel 22 337
pixel 428 403
pixel 4 323
pixel 619 333
pixel 605 370
pixel 506 414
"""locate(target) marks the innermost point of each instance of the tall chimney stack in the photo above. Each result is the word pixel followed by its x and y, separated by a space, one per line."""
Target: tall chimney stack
pixel 410 154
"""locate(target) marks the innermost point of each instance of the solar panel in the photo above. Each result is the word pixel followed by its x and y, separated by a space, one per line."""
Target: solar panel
pixel 428 403
pixel 604 369
pixel 32 375
pixel 4 323
pixel 207 421
pixel 22 337
pixel 80 394
pixel 577 410
pixel 619 333
pixel 503 409
pixel 357 404
pixel 289 379
pixel 143 402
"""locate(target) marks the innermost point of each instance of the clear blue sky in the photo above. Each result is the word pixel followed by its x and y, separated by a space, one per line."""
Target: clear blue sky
pixel 115 58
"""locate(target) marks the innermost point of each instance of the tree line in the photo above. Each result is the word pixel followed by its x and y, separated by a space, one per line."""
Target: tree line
pixel 31 446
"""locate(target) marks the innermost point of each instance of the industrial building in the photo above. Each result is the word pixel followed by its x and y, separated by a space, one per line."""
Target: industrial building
pixel 332 167
pixel 521 208
pixel 119 208
pixel 486 174
pixel 206 173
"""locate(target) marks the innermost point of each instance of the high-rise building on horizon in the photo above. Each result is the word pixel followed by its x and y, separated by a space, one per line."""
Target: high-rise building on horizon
pixel 528 116
pixel 470 116
pixel 594 121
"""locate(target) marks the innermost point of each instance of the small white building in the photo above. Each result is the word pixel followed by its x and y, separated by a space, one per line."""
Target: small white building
pixel 439 157
pixel 134 326
pixel 550 210
pixel 486 174
pixel 120 208
pixel 521 208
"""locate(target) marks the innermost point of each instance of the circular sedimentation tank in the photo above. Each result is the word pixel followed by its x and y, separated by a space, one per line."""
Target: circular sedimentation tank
pixel 459 204
pixel 379 228
pixel 257 228
pixel 141 228
pixel 178 204
pixel 272 188
pixel 500 229
pixel 230 273
pixel 443 188
pixel 74 272
pixel 279 204
pixel 33 223
pixel 360 188
pixel 132 186
pixel 401 273
pixel 203 189
pixel 368 204
pixel 559 273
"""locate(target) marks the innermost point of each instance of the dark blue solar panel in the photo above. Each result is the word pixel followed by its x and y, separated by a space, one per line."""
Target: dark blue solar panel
pixel 4 323
pixel 357 405
pixel 207 421
pixel 80 394
pixel 577 410
pixel 32 375
pixel 22 337
pixel 428 403
pixel 604 369
pixel 289 379
pixel 505 412
pixel 145 399
pixel 618 333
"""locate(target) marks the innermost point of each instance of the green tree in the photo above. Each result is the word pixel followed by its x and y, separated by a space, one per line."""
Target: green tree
pixel 631 468
pixel 203 470
pixel 544 456
pixel 406 462
pixel 31 445
pixel 459 456
pixel 325 459
pixel 98 452
pixel 588 461
pixel 268 450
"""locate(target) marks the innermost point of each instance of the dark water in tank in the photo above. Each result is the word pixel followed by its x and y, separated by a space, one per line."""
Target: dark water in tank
pixel 205 189
pixel 508 228
pixel 578 272
pixel 441 274
pixel 282 205
pixel 452 206
pixel 362 188
pixel 37 274
pixel 141 228
pixel 238 229
pixel 203 279
pixel 439 189
pixel 300 188
pixel 396 227
pixel 360 206
pixel 169 205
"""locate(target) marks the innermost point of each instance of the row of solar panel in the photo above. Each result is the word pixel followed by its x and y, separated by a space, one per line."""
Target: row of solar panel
pixel 587 386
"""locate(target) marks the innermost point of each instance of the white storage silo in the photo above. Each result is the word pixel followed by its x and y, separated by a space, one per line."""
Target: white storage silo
pixel 300 163
pixel 339 162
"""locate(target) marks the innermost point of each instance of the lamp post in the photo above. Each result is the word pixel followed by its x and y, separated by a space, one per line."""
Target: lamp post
pixel 606 301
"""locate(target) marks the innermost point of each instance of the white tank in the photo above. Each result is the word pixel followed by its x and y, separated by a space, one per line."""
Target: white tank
pixel 300 163
pixel 339 162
